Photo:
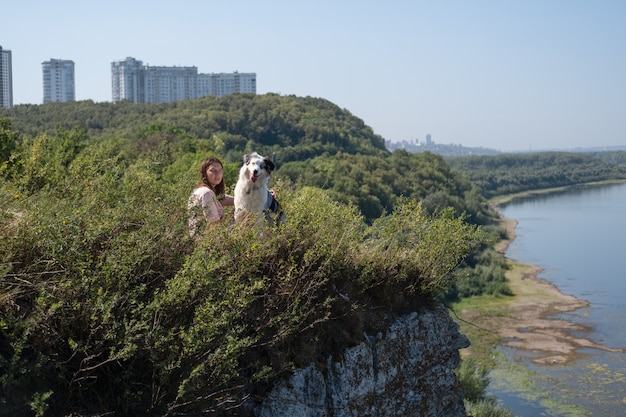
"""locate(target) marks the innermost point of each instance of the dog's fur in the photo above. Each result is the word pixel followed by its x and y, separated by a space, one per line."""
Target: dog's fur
pixel 253 201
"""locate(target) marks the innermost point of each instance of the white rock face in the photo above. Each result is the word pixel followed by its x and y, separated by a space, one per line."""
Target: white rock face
pixel 409 371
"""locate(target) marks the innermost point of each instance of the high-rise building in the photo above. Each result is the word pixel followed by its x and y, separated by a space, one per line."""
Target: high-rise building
pixel 6 79
pixel 128 80
pixel 224 83
pixel 133 81
pixel 166 84
pixel 58 80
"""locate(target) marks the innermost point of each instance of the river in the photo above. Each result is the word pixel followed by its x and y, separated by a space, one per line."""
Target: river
pixel 578 237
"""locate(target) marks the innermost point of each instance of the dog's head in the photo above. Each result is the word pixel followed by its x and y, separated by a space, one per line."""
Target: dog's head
pixel 257 166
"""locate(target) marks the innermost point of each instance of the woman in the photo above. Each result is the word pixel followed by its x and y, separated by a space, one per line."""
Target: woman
pixel 209 196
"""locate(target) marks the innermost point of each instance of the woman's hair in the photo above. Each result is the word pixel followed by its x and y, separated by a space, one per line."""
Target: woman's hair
pixel 219 189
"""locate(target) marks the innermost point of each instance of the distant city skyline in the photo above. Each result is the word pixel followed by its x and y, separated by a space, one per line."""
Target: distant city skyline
pixel 132 81
pixel 486 73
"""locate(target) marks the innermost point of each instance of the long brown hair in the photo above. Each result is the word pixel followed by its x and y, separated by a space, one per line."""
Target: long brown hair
pixel 219 189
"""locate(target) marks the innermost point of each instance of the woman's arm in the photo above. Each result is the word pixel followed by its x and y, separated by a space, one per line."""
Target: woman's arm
pixel 228 200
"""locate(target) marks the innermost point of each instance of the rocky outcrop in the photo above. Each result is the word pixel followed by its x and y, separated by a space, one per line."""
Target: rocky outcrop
pixel 407 371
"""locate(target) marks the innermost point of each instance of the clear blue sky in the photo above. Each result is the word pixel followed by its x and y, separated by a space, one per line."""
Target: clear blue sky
pixel 508 75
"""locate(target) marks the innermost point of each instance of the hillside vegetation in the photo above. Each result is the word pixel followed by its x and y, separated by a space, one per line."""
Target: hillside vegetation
pixel 291 128
pixel 109 307
pixel 312 141
pixel 514 173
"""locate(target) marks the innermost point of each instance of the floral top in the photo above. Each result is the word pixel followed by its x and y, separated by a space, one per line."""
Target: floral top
pixel 203 197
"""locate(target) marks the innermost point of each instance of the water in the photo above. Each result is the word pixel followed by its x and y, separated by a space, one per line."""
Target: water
pixel 578 237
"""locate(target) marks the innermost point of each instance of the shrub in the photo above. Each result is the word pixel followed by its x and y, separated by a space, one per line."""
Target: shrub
pixel 415 251
pixel 473 377
pixel 487 408
pixel 109 306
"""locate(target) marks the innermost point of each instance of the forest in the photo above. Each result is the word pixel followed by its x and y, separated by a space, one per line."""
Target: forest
pixel 513 173
pixel 109 307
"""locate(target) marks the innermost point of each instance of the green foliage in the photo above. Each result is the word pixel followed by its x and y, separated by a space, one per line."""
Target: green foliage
pixel 418 248
pixel 44 161
pixel 482 273
pixel 265 300
pixel 610 157
pixel 311 140
pixel 234 124
pixel 513 173
pixel 38 405
pixel 107 301
pixel 473 376
pixel 78 269
pixel 375 184
pixel 487 408
pixel 7 140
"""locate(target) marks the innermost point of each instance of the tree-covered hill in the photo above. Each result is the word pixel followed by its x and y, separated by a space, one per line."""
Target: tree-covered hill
pixel 611 157
pixel 515 172
pixel 374 184
pixel 294 128
pixel 311 140
pixel 109 307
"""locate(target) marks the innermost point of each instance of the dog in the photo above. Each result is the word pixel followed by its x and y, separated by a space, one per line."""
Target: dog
pixel 253 200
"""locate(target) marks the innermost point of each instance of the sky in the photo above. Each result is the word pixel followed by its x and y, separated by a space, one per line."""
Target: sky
pixel 501 74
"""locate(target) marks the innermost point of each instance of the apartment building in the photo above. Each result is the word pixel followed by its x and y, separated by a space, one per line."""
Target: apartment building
pixel 138 83
pixel 166 84
pixel 223 84
pixel 127 78
pixel 58 81
pixel 6 79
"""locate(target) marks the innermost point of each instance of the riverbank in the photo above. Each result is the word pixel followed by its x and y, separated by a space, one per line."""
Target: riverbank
pixel 556 362
pixel 526 320
pixel 503 199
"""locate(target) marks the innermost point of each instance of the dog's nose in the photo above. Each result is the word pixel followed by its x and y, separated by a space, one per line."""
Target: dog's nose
pixel 255 172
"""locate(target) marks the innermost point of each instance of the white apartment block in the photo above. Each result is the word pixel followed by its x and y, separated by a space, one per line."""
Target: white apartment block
pixel 58 81
pixel 166 84
pixel 6 79
pixel 138 83
pixel 128 80
pixel 224 83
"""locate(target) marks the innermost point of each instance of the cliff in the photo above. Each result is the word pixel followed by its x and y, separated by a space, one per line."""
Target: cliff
pixel 408 371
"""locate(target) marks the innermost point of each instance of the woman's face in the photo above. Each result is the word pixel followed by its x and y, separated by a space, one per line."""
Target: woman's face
pixel 214 173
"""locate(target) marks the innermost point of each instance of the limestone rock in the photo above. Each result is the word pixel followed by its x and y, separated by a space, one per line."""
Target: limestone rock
pixel 408 371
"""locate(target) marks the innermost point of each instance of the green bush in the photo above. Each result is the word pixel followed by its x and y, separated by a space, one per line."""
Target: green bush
pixel 487 408
pixel 106 300
pixel 473 377
pixel 417 251
pixel 107 306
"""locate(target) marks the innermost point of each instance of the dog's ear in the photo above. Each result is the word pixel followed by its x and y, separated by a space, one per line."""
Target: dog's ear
pixel 269 164
pixel 246 159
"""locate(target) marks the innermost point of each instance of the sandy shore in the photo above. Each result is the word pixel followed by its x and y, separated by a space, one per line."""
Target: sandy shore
pixel 526 320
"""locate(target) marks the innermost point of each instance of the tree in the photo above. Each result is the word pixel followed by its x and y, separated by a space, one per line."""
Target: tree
pixel 8 140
